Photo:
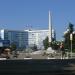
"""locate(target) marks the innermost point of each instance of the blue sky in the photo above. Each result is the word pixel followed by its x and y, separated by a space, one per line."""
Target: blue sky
pixel 16 14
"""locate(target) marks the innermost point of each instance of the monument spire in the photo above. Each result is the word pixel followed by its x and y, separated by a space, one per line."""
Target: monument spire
pixel 50 27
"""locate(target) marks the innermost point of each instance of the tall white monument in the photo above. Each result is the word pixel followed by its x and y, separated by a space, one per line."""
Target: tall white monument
pixel 49 50
pixel 50 27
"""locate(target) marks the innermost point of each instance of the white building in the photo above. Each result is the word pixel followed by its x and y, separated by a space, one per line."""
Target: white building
pixel 36 37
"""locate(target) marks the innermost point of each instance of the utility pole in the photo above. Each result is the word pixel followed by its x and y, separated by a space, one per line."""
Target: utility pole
pixel 71 38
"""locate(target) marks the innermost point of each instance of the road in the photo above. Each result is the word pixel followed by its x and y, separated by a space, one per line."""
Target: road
pixel 38 67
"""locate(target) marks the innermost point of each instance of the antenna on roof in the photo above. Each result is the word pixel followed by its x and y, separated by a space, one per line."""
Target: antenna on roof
pixel 28 27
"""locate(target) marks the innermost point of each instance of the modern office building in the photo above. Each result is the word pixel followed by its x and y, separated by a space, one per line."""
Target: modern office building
pixel 4 43
pixel 23 39
pixel 20 38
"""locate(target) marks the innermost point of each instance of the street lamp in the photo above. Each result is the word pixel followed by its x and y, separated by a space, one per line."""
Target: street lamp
pixel 71 38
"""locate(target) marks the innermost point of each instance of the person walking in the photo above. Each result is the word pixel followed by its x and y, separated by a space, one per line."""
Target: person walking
pixel 62 51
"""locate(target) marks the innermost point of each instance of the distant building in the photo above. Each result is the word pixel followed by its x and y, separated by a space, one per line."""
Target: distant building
pixel 4 43
pixel 36 37
pixel 20 38
pixel 23 39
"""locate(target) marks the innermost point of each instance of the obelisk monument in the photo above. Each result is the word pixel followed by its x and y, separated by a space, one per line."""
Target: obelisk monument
pixel 49 50
pixel 50 28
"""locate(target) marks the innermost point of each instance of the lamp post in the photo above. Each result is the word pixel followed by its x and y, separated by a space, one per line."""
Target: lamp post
pixel 71 38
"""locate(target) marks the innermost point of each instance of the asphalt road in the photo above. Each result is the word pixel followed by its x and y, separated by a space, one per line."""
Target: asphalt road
pixel 38 67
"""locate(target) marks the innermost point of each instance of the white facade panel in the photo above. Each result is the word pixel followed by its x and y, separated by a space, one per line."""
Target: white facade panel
pixel 2 34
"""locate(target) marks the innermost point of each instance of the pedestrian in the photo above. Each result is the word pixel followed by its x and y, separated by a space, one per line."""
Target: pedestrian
pixel 62 50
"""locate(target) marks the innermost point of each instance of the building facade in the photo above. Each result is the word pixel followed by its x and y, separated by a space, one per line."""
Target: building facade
pixel 36 37
pixel 20 38
pixel 26 38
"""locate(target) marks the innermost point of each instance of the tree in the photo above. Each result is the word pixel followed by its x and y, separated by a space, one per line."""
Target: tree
pixel 67 42
pixel 13 46
pixel 55 45
pixel 71 28
pixel 34 47
pixel 46 42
